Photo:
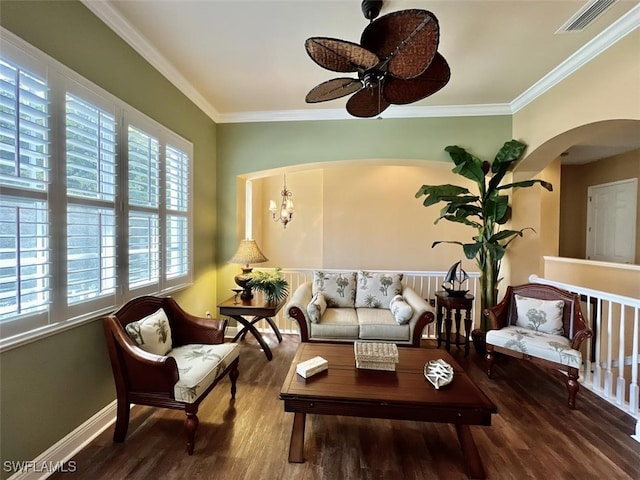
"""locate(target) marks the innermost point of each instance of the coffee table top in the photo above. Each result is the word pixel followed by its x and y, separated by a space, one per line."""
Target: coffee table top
pixel 407 385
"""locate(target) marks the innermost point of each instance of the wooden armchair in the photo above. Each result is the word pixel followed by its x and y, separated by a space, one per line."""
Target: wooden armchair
pixel 171 377
pixel 548 333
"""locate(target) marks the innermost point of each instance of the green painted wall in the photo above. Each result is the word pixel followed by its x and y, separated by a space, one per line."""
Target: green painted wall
pixel 253 147
pixel 51 386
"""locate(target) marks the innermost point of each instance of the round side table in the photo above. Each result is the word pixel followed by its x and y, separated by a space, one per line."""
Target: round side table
pixel 446 303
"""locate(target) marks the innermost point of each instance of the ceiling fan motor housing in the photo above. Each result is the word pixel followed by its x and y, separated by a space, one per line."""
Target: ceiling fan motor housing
pixel 371 8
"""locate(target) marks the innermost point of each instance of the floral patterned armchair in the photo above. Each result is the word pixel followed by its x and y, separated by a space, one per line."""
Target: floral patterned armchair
pixel 542 324
pixel 162 356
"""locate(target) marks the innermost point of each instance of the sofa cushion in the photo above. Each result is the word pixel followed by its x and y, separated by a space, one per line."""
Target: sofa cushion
pixel 401 310
pixel 375 290
pixel 338 323
pixel 316 308
pixel 540 315
pixel 198 366
pixel 339 289
pixel 555 348
pixel 379 324
pixel 151 333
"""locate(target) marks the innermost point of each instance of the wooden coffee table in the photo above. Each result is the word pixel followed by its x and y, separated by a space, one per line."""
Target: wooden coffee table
pixel 401 395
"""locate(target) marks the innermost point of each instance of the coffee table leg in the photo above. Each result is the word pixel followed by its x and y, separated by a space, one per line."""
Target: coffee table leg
pixel 470 452
pixel 296 447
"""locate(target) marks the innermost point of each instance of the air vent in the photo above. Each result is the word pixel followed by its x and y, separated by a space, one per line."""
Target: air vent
pixel 585 16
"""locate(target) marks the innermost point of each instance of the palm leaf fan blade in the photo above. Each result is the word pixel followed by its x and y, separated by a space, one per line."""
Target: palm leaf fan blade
pixel 406 41
pixel 402 92
pixel 368 102
pixel 332 89
pixel 339 55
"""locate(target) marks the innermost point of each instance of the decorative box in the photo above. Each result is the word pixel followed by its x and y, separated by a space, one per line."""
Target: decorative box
pixel 376 356
pixel 311 367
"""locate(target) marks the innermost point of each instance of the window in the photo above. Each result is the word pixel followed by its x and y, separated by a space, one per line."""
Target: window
pixel 94 198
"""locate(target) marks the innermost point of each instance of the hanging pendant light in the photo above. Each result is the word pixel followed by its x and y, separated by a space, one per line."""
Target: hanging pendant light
pixel 284 213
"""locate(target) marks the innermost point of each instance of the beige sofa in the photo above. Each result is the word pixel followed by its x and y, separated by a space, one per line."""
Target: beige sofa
pixel 348 306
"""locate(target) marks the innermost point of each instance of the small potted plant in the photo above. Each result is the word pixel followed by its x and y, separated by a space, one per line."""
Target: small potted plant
pixel 271 283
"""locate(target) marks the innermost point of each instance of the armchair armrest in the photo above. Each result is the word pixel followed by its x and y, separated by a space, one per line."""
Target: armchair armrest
pixel 297 309
pixel 138 371
pixel 499 313
pixel 580 337
pixel 187 329
pixel 422 313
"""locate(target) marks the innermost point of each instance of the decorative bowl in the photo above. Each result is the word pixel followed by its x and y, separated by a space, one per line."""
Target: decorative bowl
pixel 438 372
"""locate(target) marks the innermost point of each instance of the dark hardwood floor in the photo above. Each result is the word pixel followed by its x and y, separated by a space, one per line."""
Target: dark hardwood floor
pixel 533 436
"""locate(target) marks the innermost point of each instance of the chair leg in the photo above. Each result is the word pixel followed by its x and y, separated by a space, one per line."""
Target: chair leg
pixel 190 425
pixel 572 386
pixel 490 358
pixel 122 421
pixel 233 376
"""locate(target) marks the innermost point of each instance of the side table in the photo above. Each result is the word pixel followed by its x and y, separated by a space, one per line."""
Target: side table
pixel 256 306
pixel 447 303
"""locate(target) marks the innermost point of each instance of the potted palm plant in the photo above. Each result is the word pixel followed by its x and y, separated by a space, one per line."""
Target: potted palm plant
pixel 485 211
pixel 271 283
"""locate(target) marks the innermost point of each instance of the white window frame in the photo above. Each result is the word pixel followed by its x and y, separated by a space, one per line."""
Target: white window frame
pixel 61 80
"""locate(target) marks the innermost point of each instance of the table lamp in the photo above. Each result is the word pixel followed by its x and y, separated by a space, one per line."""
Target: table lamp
pixel 248 252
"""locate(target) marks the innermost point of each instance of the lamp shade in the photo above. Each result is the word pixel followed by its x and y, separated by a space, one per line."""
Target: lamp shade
pixel 248 252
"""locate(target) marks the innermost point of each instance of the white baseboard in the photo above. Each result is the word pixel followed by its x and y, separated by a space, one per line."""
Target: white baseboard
pixel 57 456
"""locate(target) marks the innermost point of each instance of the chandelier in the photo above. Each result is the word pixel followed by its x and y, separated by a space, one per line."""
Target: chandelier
pixel 284 214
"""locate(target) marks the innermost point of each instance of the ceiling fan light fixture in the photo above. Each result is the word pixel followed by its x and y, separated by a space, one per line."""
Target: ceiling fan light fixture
pixel 397 62
pixel 371 8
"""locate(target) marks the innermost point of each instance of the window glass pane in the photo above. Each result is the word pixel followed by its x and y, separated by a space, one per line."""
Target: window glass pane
pixel 91 253
pixel 24 128
pixel 177 247
pixel 144 249
pixel 24 257
pixel 143 168
pixel 177 178
pixel 91 147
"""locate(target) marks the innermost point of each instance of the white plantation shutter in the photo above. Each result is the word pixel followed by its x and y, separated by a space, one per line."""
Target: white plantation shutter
pixel 177 207
pixel 95 198
pixel 25 283
pixel 91 194
pixel 144 205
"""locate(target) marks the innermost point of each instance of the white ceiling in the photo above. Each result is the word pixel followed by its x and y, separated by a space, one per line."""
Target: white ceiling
pixel 242 60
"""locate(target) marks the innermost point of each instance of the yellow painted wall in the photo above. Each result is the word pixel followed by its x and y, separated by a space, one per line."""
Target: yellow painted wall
pixel 576 179
pixel 606 88
pixel 361 215
pixel 537 208
pixel 615 278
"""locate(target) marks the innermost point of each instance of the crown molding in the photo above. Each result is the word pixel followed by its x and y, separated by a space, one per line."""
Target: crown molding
pixel 393 111
pixel 616 31
pixel 105 12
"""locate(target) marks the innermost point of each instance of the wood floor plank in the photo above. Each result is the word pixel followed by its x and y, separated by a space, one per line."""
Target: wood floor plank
pixel 534 434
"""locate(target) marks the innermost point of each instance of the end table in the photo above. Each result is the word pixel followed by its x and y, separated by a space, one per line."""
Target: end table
pixel 237 309
pixel 448 303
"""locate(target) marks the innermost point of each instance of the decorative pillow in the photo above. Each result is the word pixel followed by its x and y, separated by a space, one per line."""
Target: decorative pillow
pixel 316 307
pixel 339 289
pixel 375 290
pixel 400 309
pixel 540 315
pixel 152 333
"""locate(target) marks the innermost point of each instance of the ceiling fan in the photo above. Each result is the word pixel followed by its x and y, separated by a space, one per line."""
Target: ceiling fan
pixel 397 62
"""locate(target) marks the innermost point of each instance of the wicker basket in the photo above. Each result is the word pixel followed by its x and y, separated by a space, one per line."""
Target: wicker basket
pixel 376 356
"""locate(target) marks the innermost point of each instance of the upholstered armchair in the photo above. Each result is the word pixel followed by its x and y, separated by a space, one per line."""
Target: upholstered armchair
pixel 542 324
pixel 164 357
